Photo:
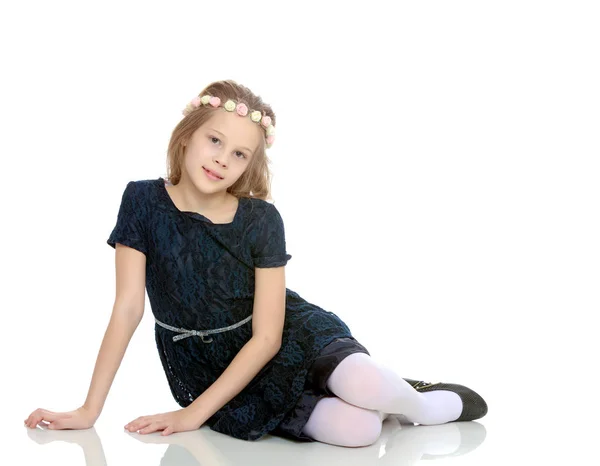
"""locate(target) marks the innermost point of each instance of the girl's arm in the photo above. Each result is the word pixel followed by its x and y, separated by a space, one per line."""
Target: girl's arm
pixel 121 327
pixel 253 356
pixel 268 317
pixel 126 315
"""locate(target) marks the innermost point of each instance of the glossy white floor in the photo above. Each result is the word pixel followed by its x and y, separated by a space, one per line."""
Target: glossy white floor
pixel 398 445
pixel 520 440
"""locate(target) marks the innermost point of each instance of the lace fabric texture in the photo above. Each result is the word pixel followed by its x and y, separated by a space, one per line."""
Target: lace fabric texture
pixel 200 275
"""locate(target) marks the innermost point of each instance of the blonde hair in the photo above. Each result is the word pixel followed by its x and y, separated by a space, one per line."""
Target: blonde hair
pixel 256 179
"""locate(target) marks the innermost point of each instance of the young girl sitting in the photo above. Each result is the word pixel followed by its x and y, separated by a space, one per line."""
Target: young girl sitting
pixel 242 353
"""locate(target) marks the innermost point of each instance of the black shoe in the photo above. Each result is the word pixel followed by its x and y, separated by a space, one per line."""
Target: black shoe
pixel 474 406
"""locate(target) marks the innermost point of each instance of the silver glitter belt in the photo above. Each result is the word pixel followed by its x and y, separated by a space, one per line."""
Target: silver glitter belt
pixel 200 333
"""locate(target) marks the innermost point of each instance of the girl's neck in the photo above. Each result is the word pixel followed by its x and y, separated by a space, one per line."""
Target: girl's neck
pixel 220 206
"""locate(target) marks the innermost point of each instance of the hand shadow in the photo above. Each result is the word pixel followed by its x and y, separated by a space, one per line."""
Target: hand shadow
pixel 400 444
pixel 87 439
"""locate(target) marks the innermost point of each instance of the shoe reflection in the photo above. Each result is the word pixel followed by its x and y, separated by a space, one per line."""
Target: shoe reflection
pixel 399 444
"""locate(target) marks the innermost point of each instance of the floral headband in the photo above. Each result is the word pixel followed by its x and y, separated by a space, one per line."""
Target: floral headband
pixel 240 108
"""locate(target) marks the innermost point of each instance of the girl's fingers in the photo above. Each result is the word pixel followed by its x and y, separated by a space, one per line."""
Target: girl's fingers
pixel 31 417
pixel 45 417
pixel 158 424
pixel 148 429
pixel 133 425
pixel 147 424
pixel 142 425
pixel 32 421
pixel 50 415
pixel 146 421
pixel 53 417
pixel 142 420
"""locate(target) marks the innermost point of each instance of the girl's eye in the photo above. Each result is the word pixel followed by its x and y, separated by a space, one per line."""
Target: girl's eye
pixel 217 140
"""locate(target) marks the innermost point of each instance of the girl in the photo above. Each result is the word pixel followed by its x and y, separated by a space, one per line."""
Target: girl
pixel 242 353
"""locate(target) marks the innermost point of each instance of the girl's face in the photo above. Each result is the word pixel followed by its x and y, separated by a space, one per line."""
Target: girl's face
pixel 224 145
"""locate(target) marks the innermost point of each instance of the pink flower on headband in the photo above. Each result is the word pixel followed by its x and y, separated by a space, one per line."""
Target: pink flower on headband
pixel 242 110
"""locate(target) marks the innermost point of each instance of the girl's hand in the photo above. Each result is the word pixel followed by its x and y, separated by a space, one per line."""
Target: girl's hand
pixel 80 418
pixel 175 421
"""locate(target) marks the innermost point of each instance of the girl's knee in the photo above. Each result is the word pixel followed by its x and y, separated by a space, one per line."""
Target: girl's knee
pixel 338 423
pixel 357 373
pixel 370 431
pixel 364 431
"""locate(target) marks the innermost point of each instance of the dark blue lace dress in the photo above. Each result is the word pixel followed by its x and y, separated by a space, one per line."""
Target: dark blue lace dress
pixel 200 276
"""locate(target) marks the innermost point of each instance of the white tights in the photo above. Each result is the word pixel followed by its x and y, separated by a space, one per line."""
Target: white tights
pixel 366 394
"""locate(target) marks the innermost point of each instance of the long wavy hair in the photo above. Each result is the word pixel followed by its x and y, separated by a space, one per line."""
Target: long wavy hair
pixel 256 180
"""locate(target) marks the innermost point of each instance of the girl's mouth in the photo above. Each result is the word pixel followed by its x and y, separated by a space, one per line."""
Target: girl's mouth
pixel 211 175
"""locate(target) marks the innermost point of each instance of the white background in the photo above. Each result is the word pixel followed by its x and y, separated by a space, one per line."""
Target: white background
pixel 436 167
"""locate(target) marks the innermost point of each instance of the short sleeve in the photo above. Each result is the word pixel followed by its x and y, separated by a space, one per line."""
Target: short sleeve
pixel 268 240
pixel 130 228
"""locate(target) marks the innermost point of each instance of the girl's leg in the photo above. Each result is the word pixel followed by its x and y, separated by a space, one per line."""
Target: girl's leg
pixel 336 422
pixel 362 382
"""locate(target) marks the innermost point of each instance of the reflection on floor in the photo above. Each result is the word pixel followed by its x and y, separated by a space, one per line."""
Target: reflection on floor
pixel 400 444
